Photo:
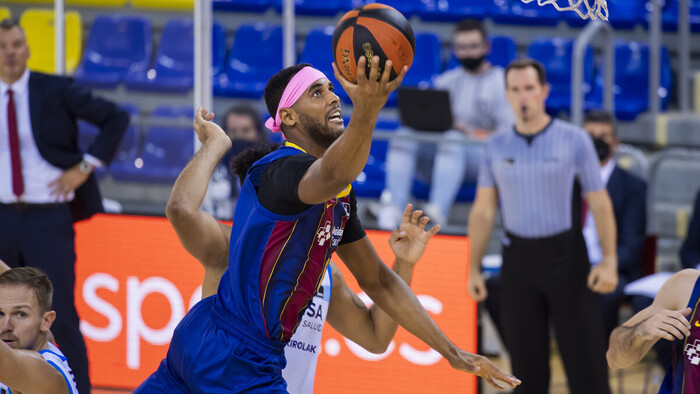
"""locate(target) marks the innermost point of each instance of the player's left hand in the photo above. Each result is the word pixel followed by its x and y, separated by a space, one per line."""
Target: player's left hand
pixel 603 277
pixel 409 240
pixel 68 182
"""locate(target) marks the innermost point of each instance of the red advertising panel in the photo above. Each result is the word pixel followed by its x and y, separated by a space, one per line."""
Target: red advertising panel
pixel 135 282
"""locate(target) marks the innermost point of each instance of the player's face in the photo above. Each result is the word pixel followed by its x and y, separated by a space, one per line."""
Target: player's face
pixel 14 53
pixel 525 93
pixel 319 113
pixel 22 323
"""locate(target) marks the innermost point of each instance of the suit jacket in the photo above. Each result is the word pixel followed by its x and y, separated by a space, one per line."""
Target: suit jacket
pixel 690 251
pixel 628 194
pixel 55 104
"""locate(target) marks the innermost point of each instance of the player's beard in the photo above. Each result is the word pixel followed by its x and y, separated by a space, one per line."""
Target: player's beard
pixel 321 134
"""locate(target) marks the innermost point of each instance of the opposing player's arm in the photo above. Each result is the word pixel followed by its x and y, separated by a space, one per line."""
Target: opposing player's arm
pixel 395 297
pixel 371 327
pixel 665 318
pixel 481 220
pixel 200 234
pixel 19 370
pixel 347 156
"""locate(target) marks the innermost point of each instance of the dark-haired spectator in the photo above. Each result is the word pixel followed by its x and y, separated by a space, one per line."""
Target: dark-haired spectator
pixel 690 251
pixel 46 182
pixel 628 195
pixel 479 108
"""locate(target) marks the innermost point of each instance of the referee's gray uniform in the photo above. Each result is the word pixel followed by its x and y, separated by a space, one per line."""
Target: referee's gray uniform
pixel 545 263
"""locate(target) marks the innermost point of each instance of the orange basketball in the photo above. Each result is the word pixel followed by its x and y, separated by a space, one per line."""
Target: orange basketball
pixel 373 30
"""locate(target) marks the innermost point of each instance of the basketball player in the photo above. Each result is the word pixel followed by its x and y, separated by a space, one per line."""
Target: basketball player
pixel 29 363
pixel 370 328
pixel 295 209
pixel 674 316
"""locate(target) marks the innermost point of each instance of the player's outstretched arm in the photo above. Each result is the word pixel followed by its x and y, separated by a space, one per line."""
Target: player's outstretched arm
pixel 372 328
pixel 200 234
pixel 27 372
pixel 393 295
pixel 347 156
pixel 666 318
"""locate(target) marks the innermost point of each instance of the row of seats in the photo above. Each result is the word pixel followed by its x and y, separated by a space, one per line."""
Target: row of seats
pixel 119 50
pixel 175 5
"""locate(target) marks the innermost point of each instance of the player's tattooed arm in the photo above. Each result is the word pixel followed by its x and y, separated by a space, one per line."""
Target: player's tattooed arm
pixel 666 319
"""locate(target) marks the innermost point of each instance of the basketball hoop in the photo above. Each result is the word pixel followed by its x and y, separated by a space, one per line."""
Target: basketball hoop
pixel 598 9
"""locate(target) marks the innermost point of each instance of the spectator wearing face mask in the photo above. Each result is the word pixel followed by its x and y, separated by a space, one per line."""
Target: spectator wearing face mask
pixel 628 195
pixel 479 106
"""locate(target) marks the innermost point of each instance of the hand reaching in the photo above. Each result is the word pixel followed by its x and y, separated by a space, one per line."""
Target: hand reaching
pixel 666 324
pixel 370 93
pixel 410 240
pixel 207 130
pixel 483 367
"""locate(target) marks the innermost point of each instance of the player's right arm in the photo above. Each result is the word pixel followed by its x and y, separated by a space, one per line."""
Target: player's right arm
pixel 347 156
pixel 481 220
pixel 27 372
pixel 665 318
pixel 200 234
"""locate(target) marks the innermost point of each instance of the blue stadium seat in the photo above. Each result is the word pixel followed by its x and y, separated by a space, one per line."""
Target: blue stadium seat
pixel 518 13
pixel 242 5
pixel 632 79
pixel 174 64
pixel 669 16
pixel 319 7
pixel 117 45
pixel 427 61
pixel 407 7
pixel 165 153
pixel 556 54
pixel 503 51
pixel 624 14
pixel 452 10
pixel 255 56
pixel 319 53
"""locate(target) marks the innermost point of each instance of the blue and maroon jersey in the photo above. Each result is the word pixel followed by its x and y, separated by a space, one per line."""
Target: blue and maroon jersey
pixel 277 262
pixel 683 377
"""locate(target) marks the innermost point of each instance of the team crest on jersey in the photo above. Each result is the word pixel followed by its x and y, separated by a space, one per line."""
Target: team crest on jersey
pixel 324 234
pixel 693 352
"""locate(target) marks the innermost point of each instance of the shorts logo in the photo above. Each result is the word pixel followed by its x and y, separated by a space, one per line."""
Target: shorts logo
pixel 324 234
pixel 693 352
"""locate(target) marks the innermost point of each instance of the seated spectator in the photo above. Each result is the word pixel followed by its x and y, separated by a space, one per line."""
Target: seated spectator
pixel 690 251
pixel 244 126
pixel 477 95
pixel 628 195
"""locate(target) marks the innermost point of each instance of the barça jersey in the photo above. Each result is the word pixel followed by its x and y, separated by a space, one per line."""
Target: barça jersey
pixel 276 262
pixel 683 377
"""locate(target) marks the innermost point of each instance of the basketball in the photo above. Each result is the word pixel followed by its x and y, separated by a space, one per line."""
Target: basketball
pixel 373 30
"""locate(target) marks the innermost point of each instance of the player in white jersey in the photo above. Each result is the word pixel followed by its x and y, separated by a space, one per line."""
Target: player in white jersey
pixel 29 363
pixel 208 241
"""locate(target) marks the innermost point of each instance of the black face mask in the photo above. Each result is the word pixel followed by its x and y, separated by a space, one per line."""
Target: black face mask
pixel 602 148
pixel 472 63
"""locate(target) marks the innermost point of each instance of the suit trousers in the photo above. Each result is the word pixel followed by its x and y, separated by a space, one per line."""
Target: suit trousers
pixel 42 236
pixel 543 281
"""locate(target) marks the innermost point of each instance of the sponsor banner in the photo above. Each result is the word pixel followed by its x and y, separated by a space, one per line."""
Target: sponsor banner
pixel 134 282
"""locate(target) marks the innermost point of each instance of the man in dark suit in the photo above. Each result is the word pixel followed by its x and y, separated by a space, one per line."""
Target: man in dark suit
pixel 628 195
pixel 690 251
pixel 46 183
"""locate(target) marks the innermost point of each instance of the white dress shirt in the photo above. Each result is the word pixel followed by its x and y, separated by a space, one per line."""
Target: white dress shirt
pixel 37 173
pixel 590 234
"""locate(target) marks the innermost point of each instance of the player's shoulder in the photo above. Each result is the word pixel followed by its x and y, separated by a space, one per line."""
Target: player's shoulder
pixel 568 127
pixel 676 292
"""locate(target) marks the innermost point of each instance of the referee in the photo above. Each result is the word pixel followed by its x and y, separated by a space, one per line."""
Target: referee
pixel 546 276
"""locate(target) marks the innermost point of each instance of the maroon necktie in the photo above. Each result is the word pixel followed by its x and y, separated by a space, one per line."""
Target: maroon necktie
pixel 15 159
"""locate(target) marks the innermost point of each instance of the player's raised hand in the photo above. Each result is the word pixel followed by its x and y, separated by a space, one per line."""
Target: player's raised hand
pixel 410 240
pixel 373 92
pixel 483 367
pixel 207 130
pixel 666 324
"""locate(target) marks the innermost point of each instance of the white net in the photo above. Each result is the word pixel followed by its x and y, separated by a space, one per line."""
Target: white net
pixel 596 9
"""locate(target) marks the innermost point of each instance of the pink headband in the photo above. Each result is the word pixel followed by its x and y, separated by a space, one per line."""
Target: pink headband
pixel 295 88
